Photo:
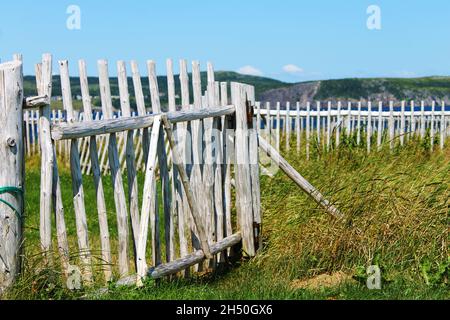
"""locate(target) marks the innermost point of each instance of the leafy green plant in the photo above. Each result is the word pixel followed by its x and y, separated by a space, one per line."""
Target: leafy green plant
pixel 435 273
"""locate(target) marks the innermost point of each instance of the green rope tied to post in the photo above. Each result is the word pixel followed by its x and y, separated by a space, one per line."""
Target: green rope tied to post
pixel 11 190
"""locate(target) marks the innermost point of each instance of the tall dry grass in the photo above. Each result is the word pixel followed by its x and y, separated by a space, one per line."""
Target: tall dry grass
pixel 396 205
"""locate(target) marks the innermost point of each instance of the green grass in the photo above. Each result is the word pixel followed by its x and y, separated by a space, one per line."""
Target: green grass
pixel 396 205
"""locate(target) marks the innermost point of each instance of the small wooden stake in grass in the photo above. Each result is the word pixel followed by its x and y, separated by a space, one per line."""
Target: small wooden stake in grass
pixel 12 168
pixel 369 125
pixel 380 125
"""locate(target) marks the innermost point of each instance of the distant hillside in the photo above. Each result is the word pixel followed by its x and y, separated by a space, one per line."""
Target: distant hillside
pixel 261 85
pixel 384 89
pixel 266 89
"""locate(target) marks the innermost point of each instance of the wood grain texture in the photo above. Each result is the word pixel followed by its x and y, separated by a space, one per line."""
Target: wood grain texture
pixel 184 145
pixel 162 158
pixel 148 210
pixel 380 125
pixel 116 175
pixel 77 180
pixel 130 153
pixel 194 258
pixel 66 131
pixel 176 189
pixel 228 156
pixel 12 170
pixel 242 169
pixel 96 173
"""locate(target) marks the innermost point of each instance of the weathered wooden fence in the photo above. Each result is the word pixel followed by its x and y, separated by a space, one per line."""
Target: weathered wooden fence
pixel 191 156
pixel 200 161
pixel 12 169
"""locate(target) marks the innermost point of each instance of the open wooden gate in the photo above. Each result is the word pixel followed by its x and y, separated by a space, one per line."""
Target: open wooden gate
pixel 200 188
pixel 200 155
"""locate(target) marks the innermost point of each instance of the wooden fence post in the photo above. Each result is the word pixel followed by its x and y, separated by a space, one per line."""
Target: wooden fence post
pixel 349 118
pixel 338 124
pixel 242 169
pixel 391 125
pixel 308 123
pixel 402 124
pixel 268 122
pixel 380 125
pixel 278 127
pixel 12 168
pixel 288 124
pixel 254 169
pixel 329 126
pixel 433 108
pixel 318 123
pixel 422 120
pixel 44 86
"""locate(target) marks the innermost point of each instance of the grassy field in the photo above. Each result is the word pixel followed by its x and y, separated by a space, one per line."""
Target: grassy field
pixel 397 217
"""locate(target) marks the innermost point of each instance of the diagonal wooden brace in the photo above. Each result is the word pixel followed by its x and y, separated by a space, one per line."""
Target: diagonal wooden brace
pixel 299 180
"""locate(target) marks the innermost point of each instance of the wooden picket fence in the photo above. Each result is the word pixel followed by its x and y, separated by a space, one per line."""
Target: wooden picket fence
pixel 373 126
pixel 200 164
pixel 194 152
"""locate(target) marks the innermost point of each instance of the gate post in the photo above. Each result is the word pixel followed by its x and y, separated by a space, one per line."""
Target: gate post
pixel 244 199
pixel 12 171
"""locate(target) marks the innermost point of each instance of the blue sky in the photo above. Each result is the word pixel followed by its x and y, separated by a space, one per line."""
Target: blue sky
pixel 291 40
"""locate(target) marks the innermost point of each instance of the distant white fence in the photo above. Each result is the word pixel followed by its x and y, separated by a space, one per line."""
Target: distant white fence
pixel 326 124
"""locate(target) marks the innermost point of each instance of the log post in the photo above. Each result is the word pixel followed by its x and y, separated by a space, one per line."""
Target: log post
pixel 244 203
pixel 12 168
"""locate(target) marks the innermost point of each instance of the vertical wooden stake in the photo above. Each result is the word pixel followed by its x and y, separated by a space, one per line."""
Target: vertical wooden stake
pixel 12 167
pixel 277 128
pixel 422 120
pixel 268 122
pixel 242 168
pixel 288 126
pixel 402 124
pixel 338 125
pixel 308 124
pixel 380 125
pixel 391 125
pixel 358 125
pixel 329 126
pixel 318 123
pixel 433 108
